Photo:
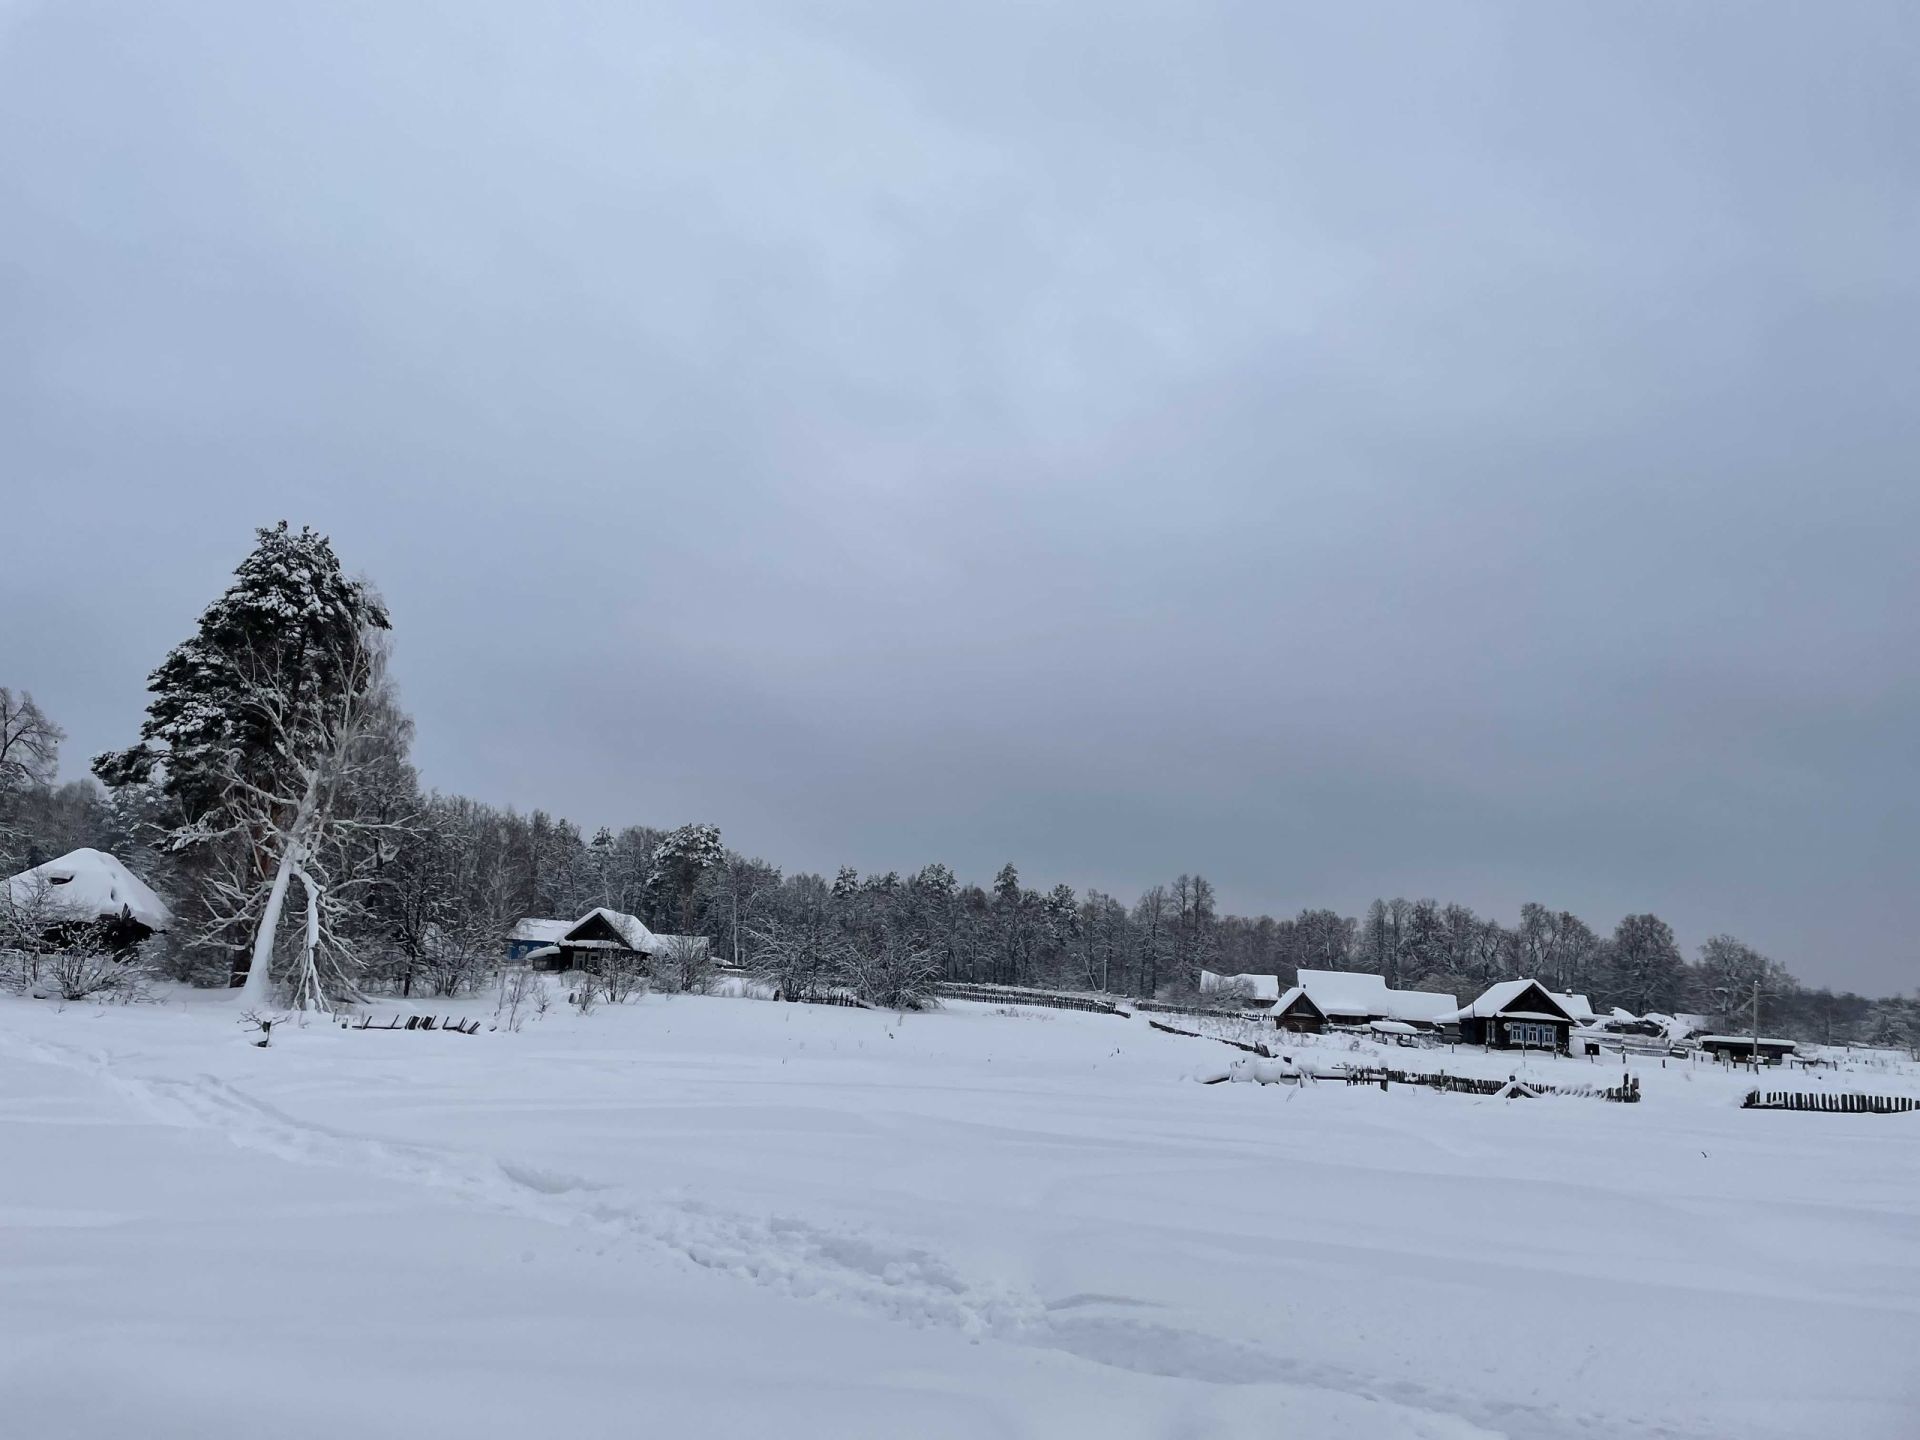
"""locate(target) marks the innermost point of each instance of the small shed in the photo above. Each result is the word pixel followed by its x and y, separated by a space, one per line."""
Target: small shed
pixel 1740 1048
pixel 1296 1011
pixel 1517 1015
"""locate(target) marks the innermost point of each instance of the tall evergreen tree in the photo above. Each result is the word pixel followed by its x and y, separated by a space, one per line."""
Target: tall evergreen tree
pixel 258 724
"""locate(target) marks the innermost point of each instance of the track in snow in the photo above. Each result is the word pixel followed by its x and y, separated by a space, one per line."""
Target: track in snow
pixel 800 1259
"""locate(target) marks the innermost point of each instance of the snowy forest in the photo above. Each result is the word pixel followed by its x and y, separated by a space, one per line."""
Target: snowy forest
pixel 270 797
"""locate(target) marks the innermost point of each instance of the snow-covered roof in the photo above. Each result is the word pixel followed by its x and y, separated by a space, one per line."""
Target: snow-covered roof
pixel 1256 987
pixel 541 932
pixel 1746 1040
pixel 85 885
pixel 1574 1004
pixel 1496 998
pixel 1362 995
pixel 628 927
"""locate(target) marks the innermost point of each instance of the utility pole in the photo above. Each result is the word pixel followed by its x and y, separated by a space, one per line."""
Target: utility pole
pixel 1756 1027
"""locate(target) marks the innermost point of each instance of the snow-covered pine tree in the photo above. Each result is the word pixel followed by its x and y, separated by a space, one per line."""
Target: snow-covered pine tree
pixel 256 739
pixel 681 861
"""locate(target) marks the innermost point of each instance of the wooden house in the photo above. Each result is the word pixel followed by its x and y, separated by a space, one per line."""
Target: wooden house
pixel 1517 1015
pixel 1356 999
pixel 587 943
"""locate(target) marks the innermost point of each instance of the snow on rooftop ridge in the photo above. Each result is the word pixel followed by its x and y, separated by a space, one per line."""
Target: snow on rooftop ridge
pixel 1498 996
pixel 1576 1005
pixel 633 931
pixel 85 885
pixel 542 932
pixel 628 927
pixel 1346 994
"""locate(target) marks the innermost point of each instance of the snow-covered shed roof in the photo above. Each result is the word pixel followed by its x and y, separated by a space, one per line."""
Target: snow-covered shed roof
pixel 1393 1027
pixel 1256 987
pixel 1495 999
pixel 1360 994
pixel 1576 1005
pixel 541 932
pixel 1429 1007
pixel 85 885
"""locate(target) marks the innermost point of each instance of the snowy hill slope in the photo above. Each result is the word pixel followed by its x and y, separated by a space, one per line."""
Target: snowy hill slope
pixel 726 1217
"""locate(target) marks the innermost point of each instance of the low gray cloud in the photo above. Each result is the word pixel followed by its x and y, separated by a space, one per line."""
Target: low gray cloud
pixel 1346 450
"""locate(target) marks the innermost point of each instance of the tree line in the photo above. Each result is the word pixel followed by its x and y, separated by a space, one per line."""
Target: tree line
pixel 270 796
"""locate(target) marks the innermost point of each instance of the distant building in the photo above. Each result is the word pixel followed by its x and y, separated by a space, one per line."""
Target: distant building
pixel 84 892
pixel 1740 1048
pixel 1357 998
pixel 531 934
pixel 1517 1015
pixel 585 943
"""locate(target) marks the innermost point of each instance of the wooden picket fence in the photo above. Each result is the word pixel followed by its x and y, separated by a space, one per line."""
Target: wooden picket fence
pixel 447 1024
pixel 1841 1104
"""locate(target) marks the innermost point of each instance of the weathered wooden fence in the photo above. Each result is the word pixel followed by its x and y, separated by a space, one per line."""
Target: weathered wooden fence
pixel 1011 995
pixel 1205 1012
pixel 1843 1104
pixel 1626 1093
pixel 1196 1035
pixel 447 1024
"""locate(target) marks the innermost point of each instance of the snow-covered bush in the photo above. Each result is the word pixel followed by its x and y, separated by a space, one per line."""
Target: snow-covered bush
pixel 887 972
pixel 684 965
pixel 524 996
pixel 81 972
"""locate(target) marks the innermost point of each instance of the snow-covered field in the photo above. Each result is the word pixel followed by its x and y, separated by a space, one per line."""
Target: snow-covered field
pixel 707 1217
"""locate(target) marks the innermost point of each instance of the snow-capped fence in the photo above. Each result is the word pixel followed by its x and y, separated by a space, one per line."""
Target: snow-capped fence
pixel 1013 995
pixel 1196 1035
pixel 1842 1104
pixel 1625 1093
pixel 849 1002
pixel 1205 1012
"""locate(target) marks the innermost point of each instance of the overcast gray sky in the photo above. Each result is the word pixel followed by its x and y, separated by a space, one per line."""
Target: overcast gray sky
pixel 1349 450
